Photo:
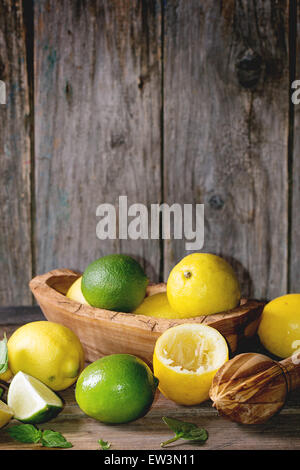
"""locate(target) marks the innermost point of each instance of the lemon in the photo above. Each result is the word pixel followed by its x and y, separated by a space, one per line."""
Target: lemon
pixel 116 389
pixel 185 360
pixel 158 306
pixel 6 376
pixel 6 414
pixel 48 351
pixel 279 329
pixel 114 282
pixel 202 284
pixel 75 292
pixel 31 400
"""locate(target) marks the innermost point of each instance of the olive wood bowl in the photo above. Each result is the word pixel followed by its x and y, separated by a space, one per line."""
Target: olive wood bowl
pixel 103 332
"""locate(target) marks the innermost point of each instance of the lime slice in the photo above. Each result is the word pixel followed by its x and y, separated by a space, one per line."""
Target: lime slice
pixel 6 413
pixel 31 400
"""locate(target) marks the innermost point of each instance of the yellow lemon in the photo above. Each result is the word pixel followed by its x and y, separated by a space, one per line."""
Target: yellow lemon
pixel 279 329
pixel 185 360
pixel 6 414
pixel 75 292
pixel 6 376
pixel 47 351
pixel 202 284
pixel 158 306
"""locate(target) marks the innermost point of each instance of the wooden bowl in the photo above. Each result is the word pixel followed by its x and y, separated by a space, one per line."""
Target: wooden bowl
pixel 103 332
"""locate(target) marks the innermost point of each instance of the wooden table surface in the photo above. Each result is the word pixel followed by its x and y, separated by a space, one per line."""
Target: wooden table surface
pixel 281 432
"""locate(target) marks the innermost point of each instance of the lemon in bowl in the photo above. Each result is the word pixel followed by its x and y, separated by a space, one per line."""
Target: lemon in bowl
pixel 186 358
pixel 202 284
pixel 156 305
pixel 75 292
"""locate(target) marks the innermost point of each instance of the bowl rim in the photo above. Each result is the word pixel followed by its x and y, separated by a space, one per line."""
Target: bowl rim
pixel 42 287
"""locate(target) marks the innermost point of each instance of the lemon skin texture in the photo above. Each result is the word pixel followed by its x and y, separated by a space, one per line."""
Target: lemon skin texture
pixel 157 306
pixel 6 414
pixel 50 352
pixel 6 376
pixel 75 292
pixel 280 325
pixel 202 284
pixel 116 389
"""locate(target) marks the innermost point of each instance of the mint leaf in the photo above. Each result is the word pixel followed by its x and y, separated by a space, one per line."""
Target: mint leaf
pixel 3 355
pixel 184 430
pixel 26 433
pixel 54 439
pixel 178 426
pixel 198 434
pixel 104 445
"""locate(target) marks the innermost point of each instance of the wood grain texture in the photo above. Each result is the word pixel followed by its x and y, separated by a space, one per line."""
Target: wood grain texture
pixel 280 432
pixel 15 233
pixel 250 388
pixel 295 176
pixel 97 133
pixel 226 132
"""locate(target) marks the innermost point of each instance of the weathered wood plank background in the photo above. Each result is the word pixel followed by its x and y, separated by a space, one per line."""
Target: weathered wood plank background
pixel 163 101
pixel 15 193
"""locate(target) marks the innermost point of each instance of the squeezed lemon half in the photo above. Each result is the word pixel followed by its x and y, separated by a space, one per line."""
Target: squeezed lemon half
pixel 186 358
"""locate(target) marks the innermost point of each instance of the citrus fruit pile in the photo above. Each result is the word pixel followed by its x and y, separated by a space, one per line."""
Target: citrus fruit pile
pixel 45 357
pixel 200 284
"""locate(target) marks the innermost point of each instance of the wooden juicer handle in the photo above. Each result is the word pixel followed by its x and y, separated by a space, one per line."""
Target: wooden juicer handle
pixel 250 388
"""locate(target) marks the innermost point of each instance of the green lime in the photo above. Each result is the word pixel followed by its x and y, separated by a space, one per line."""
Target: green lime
pixel 114 282
pixel 116 389
pixel 31 400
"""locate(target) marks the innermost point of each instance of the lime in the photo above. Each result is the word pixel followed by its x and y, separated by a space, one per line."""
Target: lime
pixel 75 293
pixel 116 389
pixel 114 282
pixel 6 414
pixel 31 400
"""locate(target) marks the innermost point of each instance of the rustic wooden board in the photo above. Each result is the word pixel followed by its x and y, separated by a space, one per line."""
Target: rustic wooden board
pixel 15 233
pixel 97 132
pixel 295 176
pixel 281 432
pixel 226 109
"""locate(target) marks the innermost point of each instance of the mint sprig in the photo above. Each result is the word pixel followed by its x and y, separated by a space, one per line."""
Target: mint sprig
pixel 54 439
pixel 3 355
pixel 104 444
pixel 183 430
pixel 29 434
pixel 25 433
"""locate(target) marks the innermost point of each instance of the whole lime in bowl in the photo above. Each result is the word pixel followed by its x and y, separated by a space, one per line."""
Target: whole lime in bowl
pixel 114 282
pixel 116 389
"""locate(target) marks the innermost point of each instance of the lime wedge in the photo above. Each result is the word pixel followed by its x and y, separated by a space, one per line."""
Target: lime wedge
pixel 6 413
pixel 31 400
